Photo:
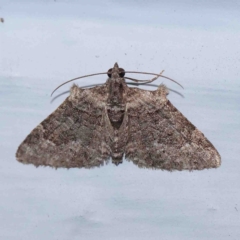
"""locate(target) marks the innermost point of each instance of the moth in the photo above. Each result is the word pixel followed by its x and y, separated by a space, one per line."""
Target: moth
pixel 112 122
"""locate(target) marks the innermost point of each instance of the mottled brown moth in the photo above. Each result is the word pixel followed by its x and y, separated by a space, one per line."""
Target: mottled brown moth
pixel 112 121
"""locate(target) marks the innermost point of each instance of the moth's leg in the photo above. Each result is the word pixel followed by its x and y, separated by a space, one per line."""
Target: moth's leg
pixel 145 81
pixel 156 77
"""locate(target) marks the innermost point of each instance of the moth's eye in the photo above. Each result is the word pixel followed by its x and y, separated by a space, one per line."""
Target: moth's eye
pixel 109 72
pixel 121 72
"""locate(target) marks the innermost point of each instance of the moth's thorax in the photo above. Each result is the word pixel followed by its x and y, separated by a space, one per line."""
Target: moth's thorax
pixel 116 100
pixel 116 88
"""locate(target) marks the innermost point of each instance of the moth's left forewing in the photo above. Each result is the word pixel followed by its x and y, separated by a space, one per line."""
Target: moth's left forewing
pixel 74 135
pixel 161 137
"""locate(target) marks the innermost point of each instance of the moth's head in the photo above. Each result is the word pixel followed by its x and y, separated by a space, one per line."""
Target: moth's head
pixel 116 72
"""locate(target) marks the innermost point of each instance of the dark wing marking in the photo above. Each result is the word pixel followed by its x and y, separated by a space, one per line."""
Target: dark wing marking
pixel 75 135
pixel 161 137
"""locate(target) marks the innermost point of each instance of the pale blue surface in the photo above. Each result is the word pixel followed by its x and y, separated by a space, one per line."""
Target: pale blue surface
pixel 45 43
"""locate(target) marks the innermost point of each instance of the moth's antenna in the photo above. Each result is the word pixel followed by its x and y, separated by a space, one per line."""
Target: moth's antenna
pixel 148 81
pixel 76 79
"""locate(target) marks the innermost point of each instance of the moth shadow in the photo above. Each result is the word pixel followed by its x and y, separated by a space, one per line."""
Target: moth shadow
pixel 136 84
pixel 59 95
